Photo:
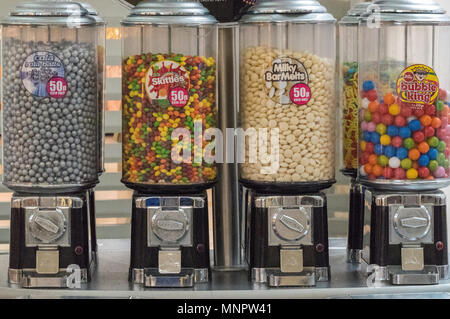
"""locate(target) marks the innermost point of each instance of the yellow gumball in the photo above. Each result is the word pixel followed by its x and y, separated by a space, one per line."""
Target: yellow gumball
pixel 412 173
pixel 394 109
pixel 363 146
pixel 385 140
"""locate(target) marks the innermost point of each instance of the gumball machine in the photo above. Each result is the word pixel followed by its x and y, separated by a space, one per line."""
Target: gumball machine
pixel 51 149
pixel 348 77
pixel 404 143
pixel 287 153
pixel 169 109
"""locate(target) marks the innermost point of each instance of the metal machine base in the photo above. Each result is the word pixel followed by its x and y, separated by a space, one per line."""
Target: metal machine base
pixel 430 275
pixel 275 278
pixel 31 279
pixel 151 278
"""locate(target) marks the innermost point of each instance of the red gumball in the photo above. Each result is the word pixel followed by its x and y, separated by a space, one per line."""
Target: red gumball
pixel 376 117
pixel 400 120
pixel 388 172
pixel 399 173
pixel 370 148
pixel 424 172
pixel 372 95
pixel 442 95
pixel 383 108
pixel 363 94
pixel 418 137
pixel 430 110
pixel 429 131
pixel 364 158
pixel 419 112
pixel 444 122
pixel 406 111
pixel 387 119
pixel 397 141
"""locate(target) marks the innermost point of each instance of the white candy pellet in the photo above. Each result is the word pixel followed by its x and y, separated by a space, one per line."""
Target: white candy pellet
pixel 394 162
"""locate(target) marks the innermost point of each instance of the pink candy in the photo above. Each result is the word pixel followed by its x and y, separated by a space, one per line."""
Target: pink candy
pixel 371 127
pixel 364 126
pixel 440 172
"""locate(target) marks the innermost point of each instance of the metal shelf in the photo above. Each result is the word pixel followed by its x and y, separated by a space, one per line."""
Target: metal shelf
pixel 110 281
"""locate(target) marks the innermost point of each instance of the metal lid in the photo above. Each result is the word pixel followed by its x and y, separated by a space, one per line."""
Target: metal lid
pixel 355 12
pixel 287 11
pixel 420 11
pixel 50 12
pixel 169 12
pixel 92 12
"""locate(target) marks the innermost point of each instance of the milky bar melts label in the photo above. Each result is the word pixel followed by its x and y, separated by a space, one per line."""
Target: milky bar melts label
pixel 287 82
pixel 418 84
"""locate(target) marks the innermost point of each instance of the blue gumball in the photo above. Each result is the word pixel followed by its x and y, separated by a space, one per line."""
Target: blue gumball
pixel 366 136
pixel 433 153
pixel 375 137
pixel 368 86
pixel 390 151
pixel 402 153
pixel 414 125
pixel 378 149
pixel 424 160
pixel 392 130
pixel 405 132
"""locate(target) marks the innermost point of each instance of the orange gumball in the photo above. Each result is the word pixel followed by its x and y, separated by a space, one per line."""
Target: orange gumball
pixel 415 165
pixel 373 106
pixel 436 122
pixel 424 147
pixel 373 159
pixel 389 99
pixel 414 154
pixel 426 120
pixel 368 169
pixel 377 170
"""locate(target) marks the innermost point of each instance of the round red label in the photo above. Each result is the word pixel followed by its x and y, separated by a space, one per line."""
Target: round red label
pixel 300 94
pixel 57 87
pixel 178 97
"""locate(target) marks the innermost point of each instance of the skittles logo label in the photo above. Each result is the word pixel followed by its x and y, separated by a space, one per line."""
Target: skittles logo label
pixel 167 83
pixel 418 84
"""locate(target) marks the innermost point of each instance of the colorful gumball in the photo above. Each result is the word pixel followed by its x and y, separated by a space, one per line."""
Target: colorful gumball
pixel 390 151
pixel 365 103
pixel 370 147
pixel 423 147
pixel 362 172
pixel 405 132
pixel 378 149
pixel 389 99
pixel 383 160
pixel 377 170
pixel 440 105
pixel 433 141
pixel 439 172
pixel 412 173
pixel 394 162
pixel 418 137
pixel 372 95
pixel 408 143
pixel 441 146
pixel 414 125
pixel 385 140
pixel 388 172
pixel 367 116
pixel 424 160
pixel 433 165
pixel 381 128
pixel 429 131
pixel 392 130
pixel 424 172
pixel 433 153
pixel 441 158
pixel 400 121
pixel 414 154
pixel 374 137
pixel 368 86
pixel 436 122
pixel 383 108
pixel 397 141
pixel 376 118
pixel 371 127
pixel 373 159
pixel 394 109
pixel 399 173
pixel 387 119
pixel 373 106
pixel 425 120
pixel 402 153
pixel 442 95
pixel 406 163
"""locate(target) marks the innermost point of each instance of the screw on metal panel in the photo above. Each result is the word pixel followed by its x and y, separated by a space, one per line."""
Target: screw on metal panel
pixel 320 248
pixel 439 246
pixel 79 250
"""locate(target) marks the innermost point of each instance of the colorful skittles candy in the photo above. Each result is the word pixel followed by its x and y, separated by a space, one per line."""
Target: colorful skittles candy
pixel 151 114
